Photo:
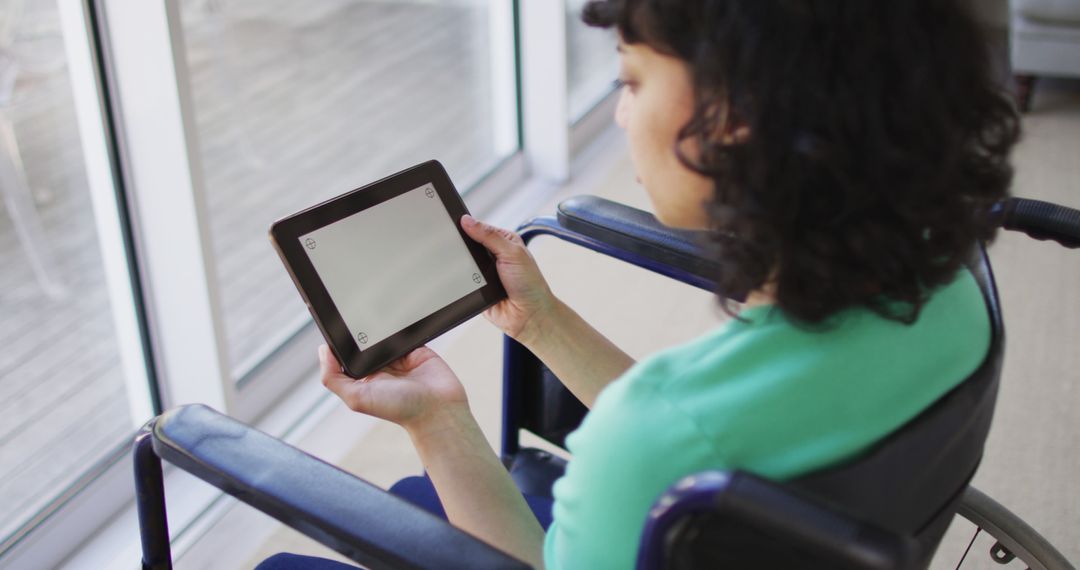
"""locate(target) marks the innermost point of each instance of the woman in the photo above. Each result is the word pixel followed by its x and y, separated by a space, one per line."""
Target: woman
pixel 843 153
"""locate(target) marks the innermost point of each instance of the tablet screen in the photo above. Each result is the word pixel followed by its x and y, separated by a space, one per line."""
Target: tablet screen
pixel 423 265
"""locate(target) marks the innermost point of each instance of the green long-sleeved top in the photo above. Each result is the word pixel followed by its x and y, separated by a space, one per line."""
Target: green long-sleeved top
pixel 762 395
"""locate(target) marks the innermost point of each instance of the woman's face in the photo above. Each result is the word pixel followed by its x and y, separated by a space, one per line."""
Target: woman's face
pixel 656 101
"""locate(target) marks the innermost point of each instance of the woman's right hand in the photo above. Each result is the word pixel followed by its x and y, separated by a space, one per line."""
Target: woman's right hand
pixel 529 298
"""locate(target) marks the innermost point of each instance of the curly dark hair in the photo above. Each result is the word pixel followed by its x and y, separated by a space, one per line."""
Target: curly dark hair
pixel 879 139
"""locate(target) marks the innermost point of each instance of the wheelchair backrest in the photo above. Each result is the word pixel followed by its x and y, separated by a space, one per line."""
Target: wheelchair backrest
pixel 723 519
pixel 909 482
pixel 887 508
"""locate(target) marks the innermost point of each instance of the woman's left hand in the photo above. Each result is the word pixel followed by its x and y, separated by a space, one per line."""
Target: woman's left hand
pixel 410 392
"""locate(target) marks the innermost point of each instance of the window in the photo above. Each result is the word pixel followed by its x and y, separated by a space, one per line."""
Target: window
pixel 72 384
pixel 297 102
pixel 592 64
pixel 145 148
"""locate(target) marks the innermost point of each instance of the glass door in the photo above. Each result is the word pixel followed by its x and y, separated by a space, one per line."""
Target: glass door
pixel 296 102
pixel 73 385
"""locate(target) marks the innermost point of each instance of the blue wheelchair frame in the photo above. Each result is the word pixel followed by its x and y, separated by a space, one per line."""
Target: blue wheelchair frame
pixel 378 530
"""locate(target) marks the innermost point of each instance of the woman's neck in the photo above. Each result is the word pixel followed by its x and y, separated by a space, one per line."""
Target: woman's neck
pixel 766 295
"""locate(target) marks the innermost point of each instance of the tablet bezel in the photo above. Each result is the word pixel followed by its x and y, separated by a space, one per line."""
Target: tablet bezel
pixel 357 362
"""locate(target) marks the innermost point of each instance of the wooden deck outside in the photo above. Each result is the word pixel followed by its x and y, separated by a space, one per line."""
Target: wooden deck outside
pixel 62 400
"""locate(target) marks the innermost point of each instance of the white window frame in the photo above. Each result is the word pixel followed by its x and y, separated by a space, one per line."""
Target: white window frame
pixel 545 96
pixel 551 142
pixel 160 147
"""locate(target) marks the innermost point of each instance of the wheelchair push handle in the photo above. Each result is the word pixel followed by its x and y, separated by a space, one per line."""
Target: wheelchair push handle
pixel 1039 220
pixel 631 235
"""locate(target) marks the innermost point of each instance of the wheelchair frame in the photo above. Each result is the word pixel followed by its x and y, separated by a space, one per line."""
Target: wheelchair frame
pixel 351 516
pixel 675 258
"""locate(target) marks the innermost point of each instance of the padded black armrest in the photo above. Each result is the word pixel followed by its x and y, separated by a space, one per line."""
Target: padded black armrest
pixel 1039 220
pixel 638 233
pixel 339 510
pixel 723 519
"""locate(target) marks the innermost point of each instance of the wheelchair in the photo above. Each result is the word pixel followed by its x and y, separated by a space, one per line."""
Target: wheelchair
pixel 884 509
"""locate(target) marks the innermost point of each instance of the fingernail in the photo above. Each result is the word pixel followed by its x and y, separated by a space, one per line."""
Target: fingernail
pixel 322 353
pixel 468 220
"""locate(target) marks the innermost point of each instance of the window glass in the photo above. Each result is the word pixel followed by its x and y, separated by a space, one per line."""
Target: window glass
pixel 591 61
pixel 296 102
pixel 63 402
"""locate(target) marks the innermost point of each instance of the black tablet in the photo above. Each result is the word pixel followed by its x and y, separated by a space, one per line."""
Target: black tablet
pixel 385 268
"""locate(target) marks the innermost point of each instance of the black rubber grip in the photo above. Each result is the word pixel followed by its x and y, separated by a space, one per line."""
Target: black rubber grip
pixel 1040 220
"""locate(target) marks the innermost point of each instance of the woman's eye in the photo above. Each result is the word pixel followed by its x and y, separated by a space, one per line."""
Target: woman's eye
pixel 620 83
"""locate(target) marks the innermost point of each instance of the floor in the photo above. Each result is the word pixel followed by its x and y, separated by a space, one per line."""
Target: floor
pixel 1032 454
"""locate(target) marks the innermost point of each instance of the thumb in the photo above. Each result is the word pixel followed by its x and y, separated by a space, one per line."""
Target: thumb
pixel 328 363
pixel 497 240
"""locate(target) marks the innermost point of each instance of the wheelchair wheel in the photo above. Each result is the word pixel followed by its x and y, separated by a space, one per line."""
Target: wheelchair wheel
pixel 1014 538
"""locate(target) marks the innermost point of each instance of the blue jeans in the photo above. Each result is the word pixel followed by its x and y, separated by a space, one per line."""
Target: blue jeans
pixel 418 491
